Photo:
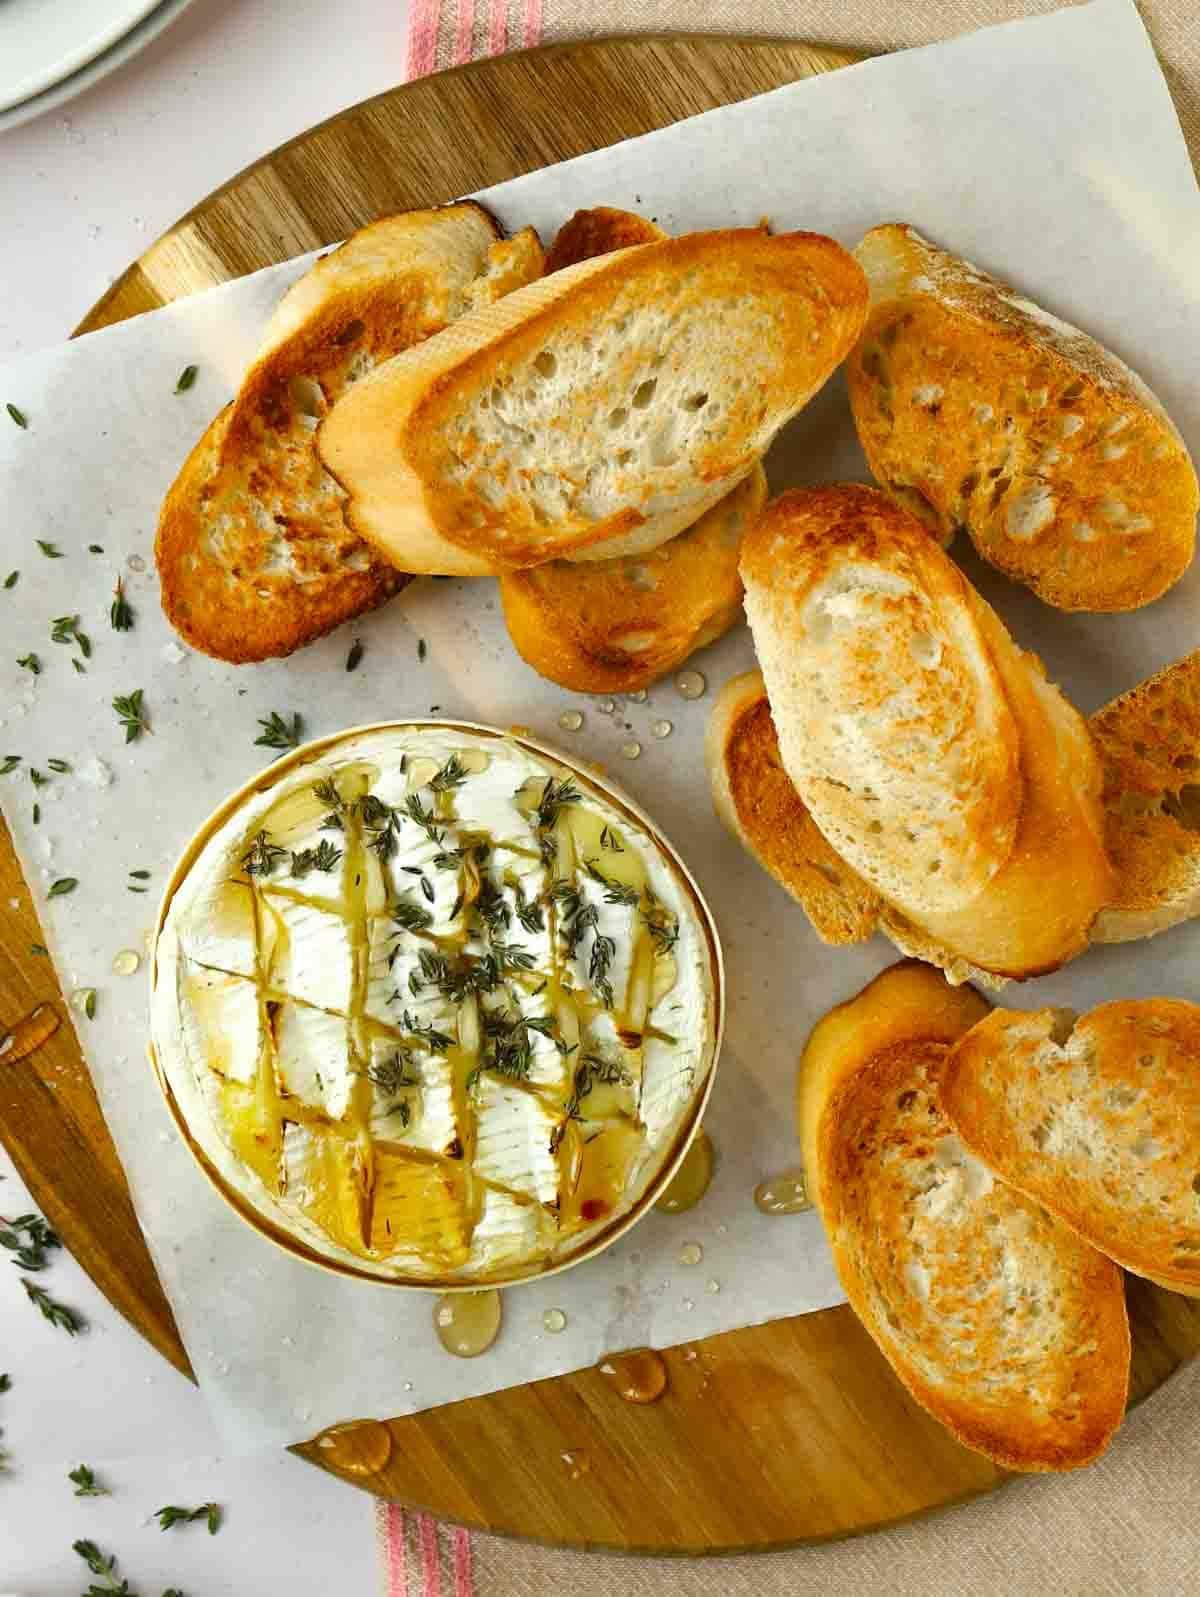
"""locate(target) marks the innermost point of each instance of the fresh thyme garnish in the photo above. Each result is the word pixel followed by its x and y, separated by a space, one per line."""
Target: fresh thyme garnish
pixel 106 1568
pixel 511 956
pixel 354 658
pixel 610 840
pixel 411 916
pixel 51 551
pixel 9 763
pixel 186 378
pixel 18 416
pixel 453 774
pixel 121 613
pixel 171 1515
pixel 436 1041
pixel 31 663
pixel 392 1075
pixel 417 812
pixel 64 884
pixel 142 876
pixel 529 912
pixel 327 792
pixel 591 1070
pixel 57 1313
pixel 39 1239
pixel 660 923
pixel 36 777
pixel 12 579
pixel 554 796
pixel 603 953
pixel 427 889
pixel 37 814
pixel 131 714
pixel 65 629
pixel 422 649
pixel 95 549
pixel 322 858
pixel 492 909
pixel 507 1049
pixel 79 665
pixel 5 1383
pixel 614 892
pixel 89 1002
pixel 85 1483
pixel 449 859
pixel 261 858
pixel 60 766
pixel 277 733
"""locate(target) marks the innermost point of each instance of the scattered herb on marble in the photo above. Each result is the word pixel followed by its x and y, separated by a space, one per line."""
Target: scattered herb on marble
pixel 12 579
pixel 422 649
pixel 89 1003
pixel 50 550
pixel 61 766
pixel 173 1515
pixel 261 858
pixel 95 549
pixel 354 658
pixel 64 885
pixel 31 663
pixel 322 858
pixel 186 378
pixel 9 763
pixel 5 1383
pixel 106 1568
pixel 57 1313
pixel 277 733
pixel 85 1483
pixel 142 876
pixel 36 777
pixel 131 714
pixel 29 1239
pixel 65 629
pixel 78 664
pixel 37 814
pixel 121 613
pixel 18 416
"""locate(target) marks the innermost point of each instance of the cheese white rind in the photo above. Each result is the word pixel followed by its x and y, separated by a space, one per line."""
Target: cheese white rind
pixel 308 976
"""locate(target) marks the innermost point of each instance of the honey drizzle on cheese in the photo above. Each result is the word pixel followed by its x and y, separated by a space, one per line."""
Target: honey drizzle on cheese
pixel 598 1149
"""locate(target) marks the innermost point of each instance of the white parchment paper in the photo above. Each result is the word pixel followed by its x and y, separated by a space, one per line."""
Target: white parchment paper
pixel 1047 151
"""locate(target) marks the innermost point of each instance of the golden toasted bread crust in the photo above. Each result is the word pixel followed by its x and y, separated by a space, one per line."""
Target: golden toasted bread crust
pixel 997 1319
pixel 931 752
pixel 613 626
pixel 755 798
pixel 1149 745
pixel 255 554
pixel 667 368
pixel 598 231
pixel 1102 1127
pixel 978 409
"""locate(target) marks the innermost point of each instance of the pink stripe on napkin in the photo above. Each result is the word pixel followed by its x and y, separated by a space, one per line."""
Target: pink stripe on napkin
pixel 443 33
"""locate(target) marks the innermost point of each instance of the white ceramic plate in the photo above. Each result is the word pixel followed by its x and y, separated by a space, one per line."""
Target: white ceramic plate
pixel 148 21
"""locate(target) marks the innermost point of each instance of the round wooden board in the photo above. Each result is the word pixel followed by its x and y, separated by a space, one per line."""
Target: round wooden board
pixel 774 1435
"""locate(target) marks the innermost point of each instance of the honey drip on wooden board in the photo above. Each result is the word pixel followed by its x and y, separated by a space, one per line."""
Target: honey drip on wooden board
pixel 467 1323
pixel 638 1376
pixel 360 1447
pixel 38 1026
pixel 691 1181
pixel 786 1193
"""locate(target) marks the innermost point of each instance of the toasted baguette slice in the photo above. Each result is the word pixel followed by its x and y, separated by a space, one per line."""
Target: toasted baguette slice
pixel 253 550
pixel 754 797
pixel 931 752
pixel 598 412
pixel 996 1317
pixel 1149 744
pixel 977 408
pixel 1097 1119
pixel 612 626
pixel 598 231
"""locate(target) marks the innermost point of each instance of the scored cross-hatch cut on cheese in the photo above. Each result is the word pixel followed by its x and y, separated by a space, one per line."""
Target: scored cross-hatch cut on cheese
pixel 433 1007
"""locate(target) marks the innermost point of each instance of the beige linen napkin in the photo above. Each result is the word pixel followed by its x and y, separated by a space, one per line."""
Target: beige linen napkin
pixel 1130 1525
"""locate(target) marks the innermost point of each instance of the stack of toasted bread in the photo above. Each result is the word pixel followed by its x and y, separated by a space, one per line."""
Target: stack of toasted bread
pixel 982 1175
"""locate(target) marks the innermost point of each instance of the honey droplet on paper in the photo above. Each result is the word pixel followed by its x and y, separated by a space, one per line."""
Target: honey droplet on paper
pixel 607 706
pixel 638 696
pixel 639 1376
pixel 691 1253
pixel 690 685
pixel 631 750
pixel 126 962
pixel 38 1026
pixel 662 729
pixel 690 1182
pixel 554 1321
pixel 570 720
pixel 467 1323
pixel 576 1463
pixel 786 1193
pixel 361 1447
pixel 136 563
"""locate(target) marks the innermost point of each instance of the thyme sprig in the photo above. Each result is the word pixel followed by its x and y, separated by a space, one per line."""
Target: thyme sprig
pixel 173 1515
pixel 28 1238
pixel 261 858
pixel 86 1484
pixel 121 612
pixel 324 857
pixel 131 714
pixel 280 733
pixel 65 629
pixel 592 1070
pixel 57 1313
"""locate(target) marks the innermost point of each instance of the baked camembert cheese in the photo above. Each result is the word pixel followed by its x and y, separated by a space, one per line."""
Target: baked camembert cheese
pixel 433 1006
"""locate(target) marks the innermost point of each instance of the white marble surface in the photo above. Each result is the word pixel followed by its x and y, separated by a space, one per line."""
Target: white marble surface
pixel 82 191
